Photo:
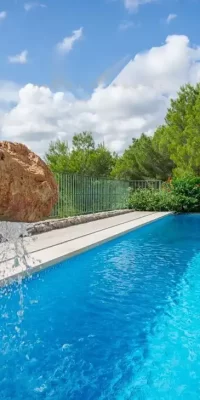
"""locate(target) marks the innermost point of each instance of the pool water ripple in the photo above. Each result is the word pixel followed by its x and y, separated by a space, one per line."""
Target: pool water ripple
pixel 118 322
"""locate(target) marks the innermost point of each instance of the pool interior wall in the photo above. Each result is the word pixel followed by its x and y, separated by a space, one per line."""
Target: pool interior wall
pixel 88 328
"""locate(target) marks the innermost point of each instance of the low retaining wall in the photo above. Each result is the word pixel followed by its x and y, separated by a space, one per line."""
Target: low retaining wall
pixel 49 225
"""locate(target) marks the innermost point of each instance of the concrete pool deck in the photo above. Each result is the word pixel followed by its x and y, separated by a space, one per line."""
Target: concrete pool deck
pixel 50 248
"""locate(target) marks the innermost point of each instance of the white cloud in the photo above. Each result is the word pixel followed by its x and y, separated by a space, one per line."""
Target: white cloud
pixel 110 73
pixel 21 58
pixel 30 6
pixel 125 25
pixel 170 18
pixel 9 97
pixel 3 15
pixel 68 43
pixel 9 92
pixel 135 102
pixel 133 5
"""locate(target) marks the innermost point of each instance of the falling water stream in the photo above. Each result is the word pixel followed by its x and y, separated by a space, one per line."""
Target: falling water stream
pixel 13 246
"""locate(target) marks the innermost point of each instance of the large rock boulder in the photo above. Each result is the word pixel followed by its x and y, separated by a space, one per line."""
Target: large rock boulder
pixel 28 190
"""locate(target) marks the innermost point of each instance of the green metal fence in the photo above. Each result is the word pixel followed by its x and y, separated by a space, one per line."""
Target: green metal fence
pixel 145 184
pixel 80 195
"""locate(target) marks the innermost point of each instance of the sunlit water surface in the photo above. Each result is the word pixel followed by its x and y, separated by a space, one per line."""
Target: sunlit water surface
pixel 120 322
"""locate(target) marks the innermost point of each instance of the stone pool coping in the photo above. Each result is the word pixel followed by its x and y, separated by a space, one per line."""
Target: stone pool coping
pixel 54 247
pixel 52 224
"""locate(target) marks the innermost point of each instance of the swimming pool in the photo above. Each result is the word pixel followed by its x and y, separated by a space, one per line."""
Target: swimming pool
pixel 120 321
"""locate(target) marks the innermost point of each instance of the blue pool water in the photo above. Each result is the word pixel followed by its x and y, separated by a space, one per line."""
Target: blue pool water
pixel 120 322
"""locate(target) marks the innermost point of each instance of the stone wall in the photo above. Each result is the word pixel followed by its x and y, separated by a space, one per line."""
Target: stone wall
pixel 49 225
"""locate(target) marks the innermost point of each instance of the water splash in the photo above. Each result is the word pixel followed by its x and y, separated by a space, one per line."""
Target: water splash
pixel 15 258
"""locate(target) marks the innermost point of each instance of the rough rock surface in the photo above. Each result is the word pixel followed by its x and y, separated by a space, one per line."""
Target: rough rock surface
pixel 28 190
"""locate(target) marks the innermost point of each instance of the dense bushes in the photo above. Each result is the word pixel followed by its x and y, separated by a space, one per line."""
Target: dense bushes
pixel 151 200
pixel 180 195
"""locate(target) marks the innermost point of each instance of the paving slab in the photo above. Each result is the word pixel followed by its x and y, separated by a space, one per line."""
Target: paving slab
pixel 52 247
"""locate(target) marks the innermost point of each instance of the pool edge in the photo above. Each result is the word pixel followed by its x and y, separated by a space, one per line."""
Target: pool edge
pixel 22 273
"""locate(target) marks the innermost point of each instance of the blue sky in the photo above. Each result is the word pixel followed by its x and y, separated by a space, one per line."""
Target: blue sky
pixel 107 66
pixel 104 48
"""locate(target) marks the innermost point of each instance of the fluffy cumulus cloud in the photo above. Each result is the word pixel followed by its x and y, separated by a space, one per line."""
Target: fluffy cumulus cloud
pixel 21 58
pixel 68 42
pixel 135 102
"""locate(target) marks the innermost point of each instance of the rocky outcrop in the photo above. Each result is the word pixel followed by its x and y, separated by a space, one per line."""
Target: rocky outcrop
pixel 28 190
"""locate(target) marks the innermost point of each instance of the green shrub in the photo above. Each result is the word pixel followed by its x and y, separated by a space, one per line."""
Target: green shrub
pixel 151 200
pixel 186 193
pixel 180 195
